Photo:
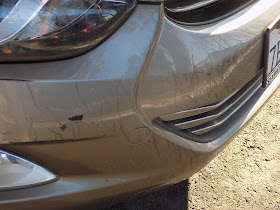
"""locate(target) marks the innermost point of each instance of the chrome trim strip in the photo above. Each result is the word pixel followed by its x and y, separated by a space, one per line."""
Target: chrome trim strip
pixel 208 116
pixel 191 7
pixel 180 17
pixel 206 127
pixel 198 127
pixel 196 111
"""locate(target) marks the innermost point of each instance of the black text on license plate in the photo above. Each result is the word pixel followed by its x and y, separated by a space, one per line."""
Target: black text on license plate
pixel 271 53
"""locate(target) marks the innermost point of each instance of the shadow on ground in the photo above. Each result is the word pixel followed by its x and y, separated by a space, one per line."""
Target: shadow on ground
pixel 174 197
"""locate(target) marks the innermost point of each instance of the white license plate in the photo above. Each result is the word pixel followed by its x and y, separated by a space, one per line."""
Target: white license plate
pixel 271 53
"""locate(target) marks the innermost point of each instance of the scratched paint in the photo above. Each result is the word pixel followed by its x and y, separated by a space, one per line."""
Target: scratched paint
pixel 90 96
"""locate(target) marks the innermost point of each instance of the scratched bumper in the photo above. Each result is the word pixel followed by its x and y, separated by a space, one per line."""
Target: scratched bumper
pixel 89 119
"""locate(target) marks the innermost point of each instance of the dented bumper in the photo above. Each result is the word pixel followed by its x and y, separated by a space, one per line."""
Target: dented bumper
pixel 90 119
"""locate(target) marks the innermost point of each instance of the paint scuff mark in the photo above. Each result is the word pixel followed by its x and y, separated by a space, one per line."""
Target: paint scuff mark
pixel 76 118
pixel 63 128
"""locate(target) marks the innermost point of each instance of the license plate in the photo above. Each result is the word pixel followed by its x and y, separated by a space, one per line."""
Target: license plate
pixel 271 53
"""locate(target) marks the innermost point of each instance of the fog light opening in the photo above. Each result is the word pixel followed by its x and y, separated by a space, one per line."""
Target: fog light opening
pixel 16 173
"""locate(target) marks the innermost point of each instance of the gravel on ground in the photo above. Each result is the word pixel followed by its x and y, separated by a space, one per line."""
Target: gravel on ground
pixel 247 173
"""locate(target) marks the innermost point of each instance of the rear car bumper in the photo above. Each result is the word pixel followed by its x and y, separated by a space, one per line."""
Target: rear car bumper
pixel 90 119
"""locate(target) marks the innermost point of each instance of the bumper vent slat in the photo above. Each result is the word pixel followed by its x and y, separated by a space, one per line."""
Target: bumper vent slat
pixel 226 107
pixel 212 119
pixel 197 111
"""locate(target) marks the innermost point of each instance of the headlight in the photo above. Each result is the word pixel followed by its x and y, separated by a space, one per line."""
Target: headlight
pixel 54 29
pixel 16 172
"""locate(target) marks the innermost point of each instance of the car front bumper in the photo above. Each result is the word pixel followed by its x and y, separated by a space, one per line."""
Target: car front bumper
pixel 90 118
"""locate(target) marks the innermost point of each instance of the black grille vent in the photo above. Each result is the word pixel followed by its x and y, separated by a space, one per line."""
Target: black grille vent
pixel 208 122
pixel 204 11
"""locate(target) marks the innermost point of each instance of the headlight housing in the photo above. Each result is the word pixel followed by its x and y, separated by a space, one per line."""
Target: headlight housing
pixel 32 30
pixel 15 172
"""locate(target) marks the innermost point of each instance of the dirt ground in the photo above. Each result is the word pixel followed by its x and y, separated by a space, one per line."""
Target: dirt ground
pixel 247 173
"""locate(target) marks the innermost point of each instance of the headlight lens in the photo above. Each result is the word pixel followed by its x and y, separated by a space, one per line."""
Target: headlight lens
pixel 54 29
pixel 16 172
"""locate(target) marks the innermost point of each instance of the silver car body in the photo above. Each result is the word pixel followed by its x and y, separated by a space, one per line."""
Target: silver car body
pixel 91 118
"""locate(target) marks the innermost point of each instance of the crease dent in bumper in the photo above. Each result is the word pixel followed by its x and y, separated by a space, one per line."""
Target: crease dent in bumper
pixel 86 97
